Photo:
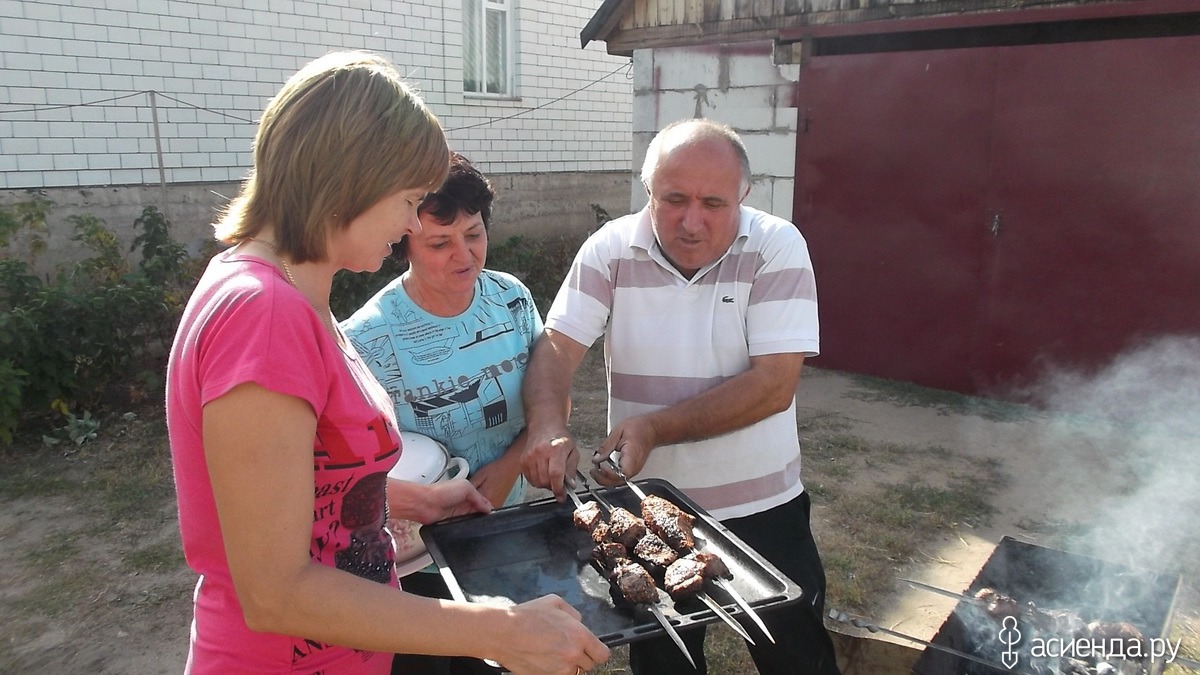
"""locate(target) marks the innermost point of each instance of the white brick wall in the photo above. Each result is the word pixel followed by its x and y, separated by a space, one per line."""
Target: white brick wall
pixel 735 84
pixel 74 75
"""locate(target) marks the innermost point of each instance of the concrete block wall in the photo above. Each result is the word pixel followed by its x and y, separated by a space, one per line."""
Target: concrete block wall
pixel 75 77
pixel 737 84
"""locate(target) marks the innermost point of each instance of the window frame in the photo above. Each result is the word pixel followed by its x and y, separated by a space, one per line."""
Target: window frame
pixel 481 46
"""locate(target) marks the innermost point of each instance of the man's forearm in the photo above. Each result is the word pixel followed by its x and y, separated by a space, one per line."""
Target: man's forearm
pixel 546 391
pixel 767 388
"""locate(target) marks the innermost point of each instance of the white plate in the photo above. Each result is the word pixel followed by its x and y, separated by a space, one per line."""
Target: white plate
pixel 422 460
pixel 405 568
pixel 410 548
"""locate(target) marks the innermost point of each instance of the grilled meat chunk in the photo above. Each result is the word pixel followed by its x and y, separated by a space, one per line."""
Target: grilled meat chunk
pixel 1065 622
pixel 634 583
pixel 629 552
pixel 653 551
pixel 684 578
pixel 1114 630
pixel 1055 621
pixel 600 532
pixel 610 555
pixel 714 567
pixel 588 516
pixel 590 519
pixel 625 528
pixel 997 604
pixel 669 522
pixel 630 581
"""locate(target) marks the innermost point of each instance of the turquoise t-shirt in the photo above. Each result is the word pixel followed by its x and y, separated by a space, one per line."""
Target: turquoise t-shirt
pixel 454 379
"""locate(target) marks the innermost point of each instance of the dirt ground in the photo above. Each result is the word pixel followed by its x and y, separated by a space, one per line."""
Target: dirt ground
pixel 84 590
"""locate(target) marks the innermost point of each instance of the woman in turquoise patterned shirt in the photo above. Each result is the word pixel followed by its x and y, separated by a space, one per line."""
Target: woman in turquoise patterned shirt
pixel 449 341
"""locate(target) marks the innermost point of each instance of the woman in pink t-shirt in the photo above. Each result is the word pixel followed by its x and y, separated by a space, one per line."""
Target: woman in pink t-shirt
pixel 282 439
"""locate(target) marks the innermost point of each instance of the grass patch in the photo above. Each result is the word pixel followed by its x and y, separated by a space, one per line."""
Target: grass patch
pixel 1186 629
pixel 59 585
pixel 163 556
pixel 906 394
pixel 723 649
pixel 923 506
pixel 24 478
pixel 842 572
pixel 1063 529
pixel 120 483
pixel 870 521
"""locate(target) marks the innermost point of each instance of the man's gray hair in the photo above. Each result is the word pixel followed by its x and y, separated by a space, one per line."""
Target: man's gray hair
pixel 691 130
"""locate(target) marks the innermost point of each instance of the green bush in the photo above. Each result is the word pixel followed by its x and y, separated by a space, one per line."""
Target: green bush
pixel 351 289
pixel 541 264
pixel 96 333
pixel 12 380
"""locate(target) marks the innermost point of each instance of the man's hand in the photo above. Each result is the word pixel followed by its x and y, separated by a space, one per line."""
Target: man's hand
pixel 550 454
pixel 632 440
pixel 548 461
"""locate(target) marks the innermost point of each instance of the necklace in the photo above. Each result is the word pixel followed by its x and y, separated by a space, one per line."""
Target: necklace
pixel 326 316
pixel 287 271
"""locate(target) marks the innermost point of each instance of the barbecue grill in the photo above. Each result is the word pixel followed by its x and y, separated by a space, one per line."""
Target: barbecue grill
pixel 1093 589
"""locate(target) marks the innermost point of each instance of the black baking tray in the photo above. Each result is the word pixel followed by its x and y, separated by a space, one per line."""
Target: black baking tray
pixel 523 552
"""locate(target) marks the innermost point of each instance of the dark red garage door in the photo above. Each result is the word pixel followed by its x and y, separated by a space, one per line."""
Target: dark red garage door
pixel 980 214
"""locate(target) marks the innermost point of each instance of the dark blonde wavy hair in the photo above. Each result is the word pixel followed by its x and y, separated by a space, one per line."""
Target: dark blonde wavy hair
pixel 343 132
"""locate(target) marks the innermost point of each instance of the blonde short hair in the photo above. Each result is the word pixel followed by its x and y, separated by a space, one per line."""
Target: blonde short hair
pixel 343 132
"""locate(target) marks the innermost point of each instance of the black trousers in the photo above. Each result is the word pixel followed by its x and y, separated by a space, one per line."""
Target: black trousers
pixel 430 585
pixel 802 645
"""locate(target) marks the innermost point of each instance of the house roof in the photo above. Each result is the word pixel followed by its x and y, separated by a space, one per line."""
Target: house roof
pixel 603 21
pixel 626 25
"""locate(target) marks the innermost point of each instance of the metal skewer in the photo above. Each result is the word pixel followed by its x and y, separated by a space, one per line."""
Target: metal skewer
pixel 737 597
pixel 949 594
pixel 725 616
pixel 843 617
pixel 575 499
pixel 621 474
pixel 666 624
pixel 724 585
pixel 705 597
pixel 592 491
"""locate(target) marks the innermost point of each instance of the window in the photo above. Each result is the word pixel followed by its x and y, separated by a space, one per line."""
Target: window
pixel 486 67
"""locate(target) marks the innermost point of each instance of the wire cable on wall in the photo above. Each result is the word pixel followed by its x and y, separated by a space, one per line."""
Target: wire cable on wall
pixel 45 108
pixel 628 66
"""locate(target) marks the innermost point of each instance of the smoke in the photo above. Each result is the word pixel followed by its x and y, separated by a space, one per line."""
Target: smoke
pixel 1117 450
pixel 1139 417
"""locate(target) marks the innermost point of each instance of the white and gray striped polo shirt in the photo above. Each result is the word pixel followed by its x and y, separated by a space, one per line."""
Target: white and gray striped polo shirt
pixel 668 338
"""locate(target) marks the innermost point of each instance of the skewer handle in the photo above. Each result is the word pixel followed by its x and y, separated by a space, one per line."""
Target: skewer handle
pixel 621 474
pixel 842 617
pixel 595 495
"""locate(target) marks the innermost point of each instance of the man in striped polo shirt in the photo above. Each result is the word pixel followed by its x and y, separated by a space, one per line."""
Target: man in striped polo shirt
pixel 708 309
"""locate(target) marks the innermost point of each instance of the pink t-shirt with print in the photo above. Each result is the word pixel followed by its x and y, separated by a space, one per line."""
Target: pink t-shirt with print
pixel 246 323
